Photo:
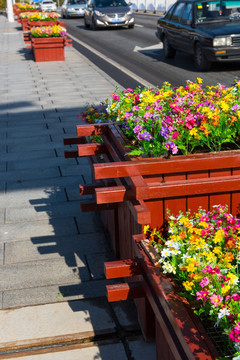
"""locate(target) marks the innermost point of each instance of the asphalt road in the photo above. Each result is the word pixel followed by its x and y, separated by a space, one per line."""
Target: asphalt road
pixel 135 57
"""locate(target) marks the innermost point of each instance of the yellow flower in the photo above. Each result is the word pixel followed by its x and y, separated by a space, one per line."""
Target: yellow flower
pixel 199 80
pixel 188 285
pixel 145 229
pixel 219 236
pixel 225 289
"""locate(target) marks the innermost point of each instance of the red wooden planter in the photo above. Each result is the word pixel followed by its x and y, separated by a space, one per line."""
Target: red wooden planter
pixel 45 23
pixel 24 23
pixel 179 335
pixel 48 49
pixel 131 193
pixel 135 192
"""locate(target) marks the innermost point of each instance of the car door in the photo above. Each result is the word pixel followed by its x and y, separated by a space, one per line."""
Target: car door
pixel 186 30
pixel 173 30
pixel 89 11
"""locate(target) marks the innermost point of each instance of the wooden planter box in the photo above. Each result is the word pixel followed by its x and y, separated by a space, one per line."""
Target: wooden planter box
pixel 48 49
pixel 131 193
pixel 162 313
pixel 24 23
pixel 31 24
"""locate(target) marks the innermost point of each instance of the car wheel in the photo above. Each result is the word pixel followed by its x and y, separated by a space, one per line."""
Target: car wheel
pixel 63 16
pixel 169 52
pixel 131 26
pixel 94 25
pixel 86 24
pixel 200 61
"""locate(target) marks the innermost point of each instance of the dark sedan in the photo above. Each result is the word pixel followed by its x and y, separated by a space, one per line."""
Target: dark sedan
pixel 209 30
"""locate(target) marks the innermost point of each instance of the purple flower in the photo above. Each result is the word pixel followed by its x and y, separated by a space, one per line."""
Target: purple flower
pixel 128 114
pixel 171 146
pixel 147 115
pixel 164 132
pixel 137 129
pixel 145 136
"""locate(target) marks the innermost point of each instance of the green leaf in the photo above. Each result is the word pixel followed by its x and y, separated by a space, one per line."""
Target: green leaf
pixel 136 152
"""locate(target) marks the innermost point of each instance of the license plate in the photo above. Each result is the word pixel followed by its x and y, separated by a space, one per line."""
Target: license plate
pixel 116 20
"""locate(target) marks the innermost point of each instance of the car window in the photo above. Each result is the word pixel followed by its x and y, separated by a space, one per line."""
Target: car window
pixel 187 14
pixel 76 2
pixel 110 3
pixel 217 10
pixel 169 12
pixel 177 12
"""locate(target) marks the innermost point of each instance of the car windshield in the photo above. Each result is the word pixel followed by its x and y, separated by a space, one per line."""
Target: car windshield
pixel 217 10
pixel 110 3
pixel 76 2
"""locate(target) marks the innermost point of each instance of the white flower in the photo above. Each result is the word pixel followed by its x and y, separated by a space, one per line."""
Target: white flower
pixel 172 244
pixel 168 268
pixel 172 217
pixel 175 252
pixel 165 253
pixel 223 312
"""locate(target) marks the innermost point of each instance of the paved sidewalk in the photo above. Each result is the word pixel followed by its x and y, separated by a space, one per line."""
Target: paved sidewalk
pixel 52 285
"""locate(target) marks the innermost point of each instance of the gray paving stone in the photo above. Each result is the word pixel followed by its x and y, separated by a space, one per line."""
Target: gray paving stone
pixel 101 352
pixel 141 349
pixel 70 170
pixel 29 174
pixel 96 264
pixel 2 216
pixel 32 146
pixel 49 182
pixel 56 247
pixel 32 196
pixel 54 293
pixel 38 229
pixel 40 163
pixel 1 299
pixel 1 253
pixel 3 165
pixel 27 140
pixel 21 156
pixel 37 273
pixel 126 313
pixel 42 212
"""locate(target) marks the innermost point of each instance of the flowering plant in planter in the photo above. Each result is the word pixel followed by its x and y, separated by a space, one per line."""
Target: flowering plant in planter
pixel 25 15
pixel 48 31
pixel 26 6
pixel 43 16
pixel 201 252
pixel 179 120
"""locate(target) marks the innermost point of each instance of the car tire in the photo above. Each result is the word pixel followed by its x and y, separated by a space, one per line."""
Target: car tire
pixel 86 24
pixel 131 26
pixel 94 25
pixel 200 60
pixel 169 52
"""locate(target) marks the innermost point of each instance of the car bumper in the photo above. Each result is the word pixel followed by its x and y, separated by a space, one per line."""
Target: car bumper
pixel 75 13
pixel 107 23
pixel 223 54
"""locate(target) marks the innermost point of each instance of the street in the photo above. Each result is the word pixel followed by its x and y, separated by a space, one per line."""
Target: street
pixel 139 51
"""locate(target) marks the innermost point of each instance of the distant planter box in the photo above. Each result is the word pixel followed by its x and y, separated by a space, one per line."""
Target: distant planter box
pixel 48 49
pixel 31 24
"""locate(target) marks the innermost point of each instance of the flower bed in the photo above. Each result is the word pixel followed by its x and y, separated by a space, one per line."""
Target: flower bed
pixel 201 252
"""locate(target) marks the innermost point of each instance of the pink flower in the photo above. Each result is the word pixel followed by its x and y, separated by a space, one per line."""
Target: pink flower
pixel 202 295
pixel 216 299
pixel 235 297
pixel 204 282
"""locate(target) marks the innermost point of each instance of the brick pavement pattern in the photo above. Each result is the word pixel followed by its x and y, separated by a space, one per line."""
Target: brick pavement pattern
pixel 52 285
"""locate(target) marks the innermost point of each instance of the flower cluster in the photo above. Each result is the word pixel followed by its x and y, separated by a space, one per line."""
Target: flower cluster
pixel 48 31
pixel 183 120
pixel 95 114
pixel 25 15
pixel 42 16
pixel 26 6
pixel 201 251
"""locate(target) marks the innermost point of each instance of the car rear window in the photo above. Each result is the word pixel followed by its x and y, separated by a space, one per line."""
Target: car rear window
pixel 110 3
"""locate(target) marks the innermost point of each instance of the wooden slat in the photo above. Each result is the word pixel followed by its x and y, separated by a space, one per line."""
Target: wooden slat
pixel 172 189
pixel 156 166
pixel 91 149
pixel 89 189
pixel 90 206
pixel 125 291
pixel 91 129
pixel 121 268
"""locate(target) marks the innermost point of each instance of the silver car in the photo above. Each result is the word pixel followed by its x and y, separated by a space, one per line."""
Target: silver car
pixel 73 8
pixel 108 13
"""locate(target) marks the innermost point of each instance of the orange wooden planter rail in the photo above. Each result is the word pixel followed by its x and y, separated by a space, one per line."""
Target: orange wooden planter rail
pixel 178 332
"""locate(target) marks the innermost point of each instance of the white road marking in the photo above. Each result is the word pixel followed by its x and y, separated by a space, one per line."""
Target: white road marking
pixel 114 63
pixel 138 25
pixel 152 48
